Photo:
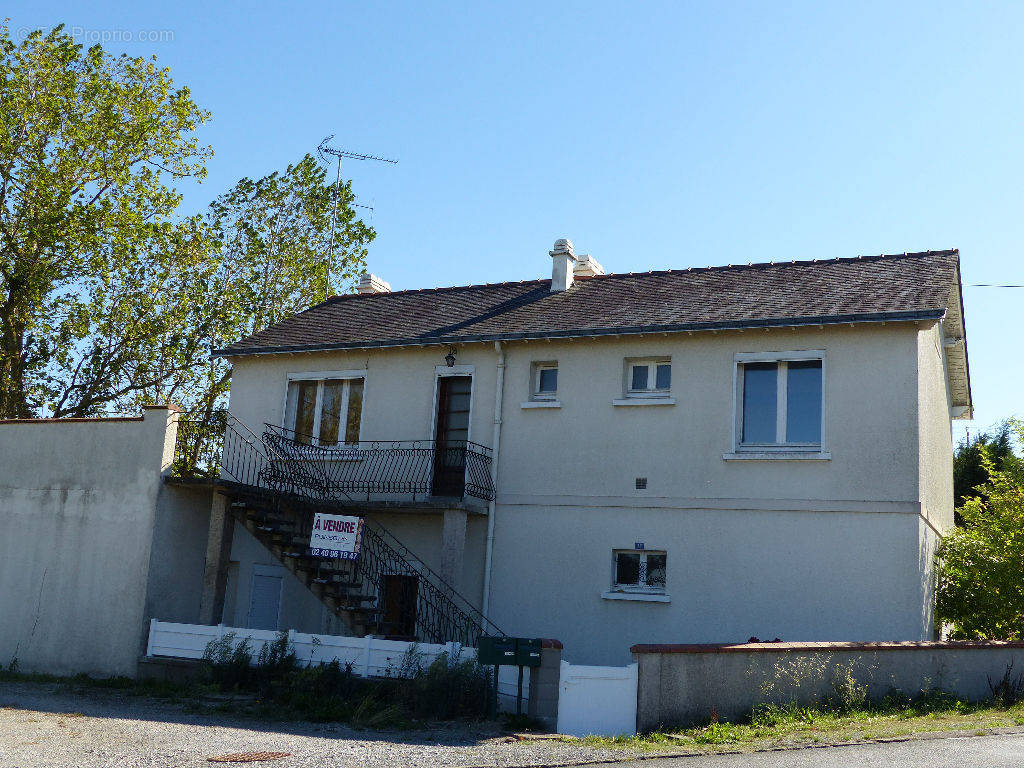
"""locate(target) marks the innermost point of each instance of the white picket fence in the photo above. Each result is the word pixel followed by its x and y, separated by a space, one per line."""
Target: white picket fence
pixel 369 656
pixel 597 700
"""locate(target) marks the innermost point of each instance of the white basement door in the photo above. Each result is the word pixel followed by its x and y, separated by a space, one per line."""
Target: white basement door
pixel 265 597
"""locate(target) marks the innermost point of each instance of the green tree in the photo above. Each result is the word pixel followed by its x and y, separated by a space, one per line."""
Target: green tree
pixel 969 473
pixel 271 257
pixel 980 589
pixel 87 234
pixel 108 299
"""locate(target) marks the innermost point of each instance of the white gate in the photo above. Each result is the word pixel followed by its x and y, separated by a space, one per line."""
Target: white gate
pixel 597 700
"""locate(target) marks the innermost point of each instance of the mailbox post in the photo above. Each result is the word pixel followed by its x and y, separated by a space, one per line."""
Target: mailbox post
pixel 518 651
pixel 496 651
pixel 527 655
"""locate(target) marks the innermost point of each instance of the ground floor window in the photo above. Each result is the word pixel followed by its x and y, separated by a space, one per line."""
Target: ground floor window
pixel 639 570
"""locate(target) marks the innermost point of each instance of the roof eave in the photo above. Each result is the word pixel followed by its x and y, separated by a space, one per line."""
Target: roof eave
pixel 421 341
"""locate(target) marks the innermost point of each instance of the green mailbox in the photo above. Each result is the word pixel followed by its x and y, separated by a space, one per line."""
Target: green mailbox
pixel 528 652
pixel 497 650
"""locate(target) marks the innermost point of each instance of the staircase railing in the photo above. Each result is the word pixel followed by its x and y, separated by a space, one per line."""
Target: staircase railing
pixel 441 613
pixel 287 475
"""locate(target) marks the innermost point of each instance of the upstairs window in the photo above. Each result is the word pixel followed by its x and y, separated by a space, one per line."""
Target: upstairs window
pixel 638 570
pixel 649 377
pixel 780 402
pixel 325 412
pixel 544 381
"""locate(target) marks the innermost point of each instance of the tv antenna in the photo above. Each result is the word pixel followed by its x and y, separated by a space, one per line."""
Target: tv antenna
pixel 325 151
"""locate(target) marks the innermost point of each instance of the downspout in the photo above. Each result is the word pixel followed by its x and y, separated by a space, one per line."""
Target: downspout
pixel 499 386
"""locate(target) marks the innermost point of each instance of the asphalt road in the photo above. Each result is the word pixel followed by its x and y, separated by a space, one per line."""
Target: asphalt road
pixel 1005 751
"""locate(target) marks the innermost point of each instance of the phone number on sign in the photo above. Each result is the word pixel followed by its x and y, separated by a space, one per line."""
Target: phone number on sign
pixel 318 552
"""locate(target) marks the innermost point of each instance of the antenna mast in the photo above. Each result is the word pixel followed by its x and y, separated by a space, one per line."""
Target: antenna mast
pixel 323 151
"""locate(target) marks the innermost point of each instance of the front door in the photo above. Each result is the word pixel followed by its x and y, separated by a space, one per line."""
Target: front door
pixel 398 621
pixel 451 435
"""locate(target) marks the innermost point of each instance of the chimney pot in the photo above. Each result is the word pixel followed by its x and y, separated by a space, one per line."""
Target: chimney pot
pixel 563 261
pixel 372 284
pixel 587 266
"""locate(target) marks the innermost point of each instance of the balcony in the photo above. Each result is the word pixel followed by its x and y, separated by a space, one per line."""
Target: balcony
pixel 280 460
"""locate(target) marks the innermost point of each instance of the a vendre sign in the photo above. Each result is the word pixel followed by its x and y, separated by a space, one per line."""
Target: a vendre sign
pixel 337 536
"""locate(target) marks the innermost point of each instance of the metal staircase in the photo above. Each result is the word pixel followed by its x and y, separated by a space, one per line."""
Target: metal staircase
pixel 277 481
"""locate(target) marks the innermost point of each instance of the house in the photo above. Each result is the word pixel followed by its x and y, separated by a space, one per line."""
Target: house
pixel 684 456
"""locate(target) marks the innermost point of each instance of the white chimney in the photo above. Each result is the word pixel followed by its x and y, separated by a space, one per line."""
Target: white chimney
pixel 562 262
pixel 587 266
pixel 372 284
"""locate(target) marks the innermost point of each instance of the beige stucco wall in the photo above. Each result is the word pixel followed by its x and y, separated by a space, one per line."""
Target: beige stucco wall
pixel 799 549
pixel 78 501
pixel 300 609
pixel 178 557
pixel 935 435
pixel 398 400
pixel 590 448
pixel 732 574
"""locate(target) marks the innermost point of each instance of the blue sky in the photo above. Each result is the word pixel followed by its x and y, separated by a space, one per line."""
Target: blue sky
pixel 654 135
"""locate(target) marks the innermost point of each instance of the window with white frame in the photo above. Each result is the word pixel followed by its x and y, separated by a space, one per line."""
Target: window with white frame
pixel 544 381
pixel 639 570
pixel 326 411
pixel 651 377
pixel 780 401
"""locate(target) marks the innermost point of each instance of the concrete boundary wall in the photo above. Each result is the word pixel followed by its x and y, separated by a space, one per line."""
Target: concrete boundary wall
pixel 685 684
pixel 78 501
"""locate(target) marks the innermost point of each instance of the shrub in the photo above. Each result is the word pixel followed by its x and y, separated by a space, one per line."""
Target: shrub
pixel 228 665
pixel 1009 690
pixel 848 692
pixel 979 593
pixel 449 688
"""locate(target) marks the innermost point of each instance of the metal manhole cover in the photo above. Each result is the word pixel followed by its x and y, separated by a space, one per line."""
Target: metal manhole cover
pixel 248 757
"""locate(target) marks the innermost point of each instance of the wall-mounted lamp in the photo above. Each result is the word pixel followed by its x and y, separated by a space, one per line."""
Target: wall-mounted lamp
pixel 450 357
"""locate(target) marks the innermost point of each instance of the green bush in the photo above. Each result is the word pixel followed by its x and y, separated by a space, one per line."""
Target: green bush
pixel 449 688
pixel 980 592
pixel 228 665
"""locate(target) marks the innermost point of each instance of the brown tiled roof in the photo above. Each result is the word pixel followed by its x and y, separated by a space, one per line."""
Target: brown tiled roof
pixel 911 286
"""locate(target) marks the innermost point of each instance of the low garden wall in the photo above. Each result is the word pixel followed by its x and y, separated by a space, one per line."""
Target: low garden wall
pixel 693 684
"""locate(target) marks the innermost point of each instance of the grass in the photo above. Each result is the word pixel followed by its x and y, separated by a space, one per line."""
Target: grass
pixel 774 727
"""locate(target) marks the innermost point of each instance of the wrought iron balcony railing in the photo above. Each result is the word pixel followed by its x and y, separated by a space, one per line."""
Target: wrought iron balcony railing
pixel 416 468
pixel 294 463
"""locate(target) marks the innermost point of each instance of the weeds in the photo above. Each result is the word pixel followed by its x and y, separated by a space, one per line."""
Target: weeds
pixel 227 664
pixel 449 688
pixel 1009 690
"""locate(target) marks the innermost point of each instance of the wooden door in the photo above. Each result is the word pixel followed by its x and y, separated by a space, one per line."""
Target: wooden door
pixel 451 435
pixel 398 621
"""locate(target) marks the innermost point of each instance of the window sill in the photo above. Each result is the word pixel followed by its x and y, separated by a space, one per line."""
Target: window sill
pixel 640 597
pixel 541 404
pixel 644 401
pixel 778 456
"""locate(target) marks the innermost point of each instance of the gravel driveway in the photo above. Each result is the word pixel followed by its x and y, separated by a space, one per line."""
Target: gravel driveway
pixel 44 726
